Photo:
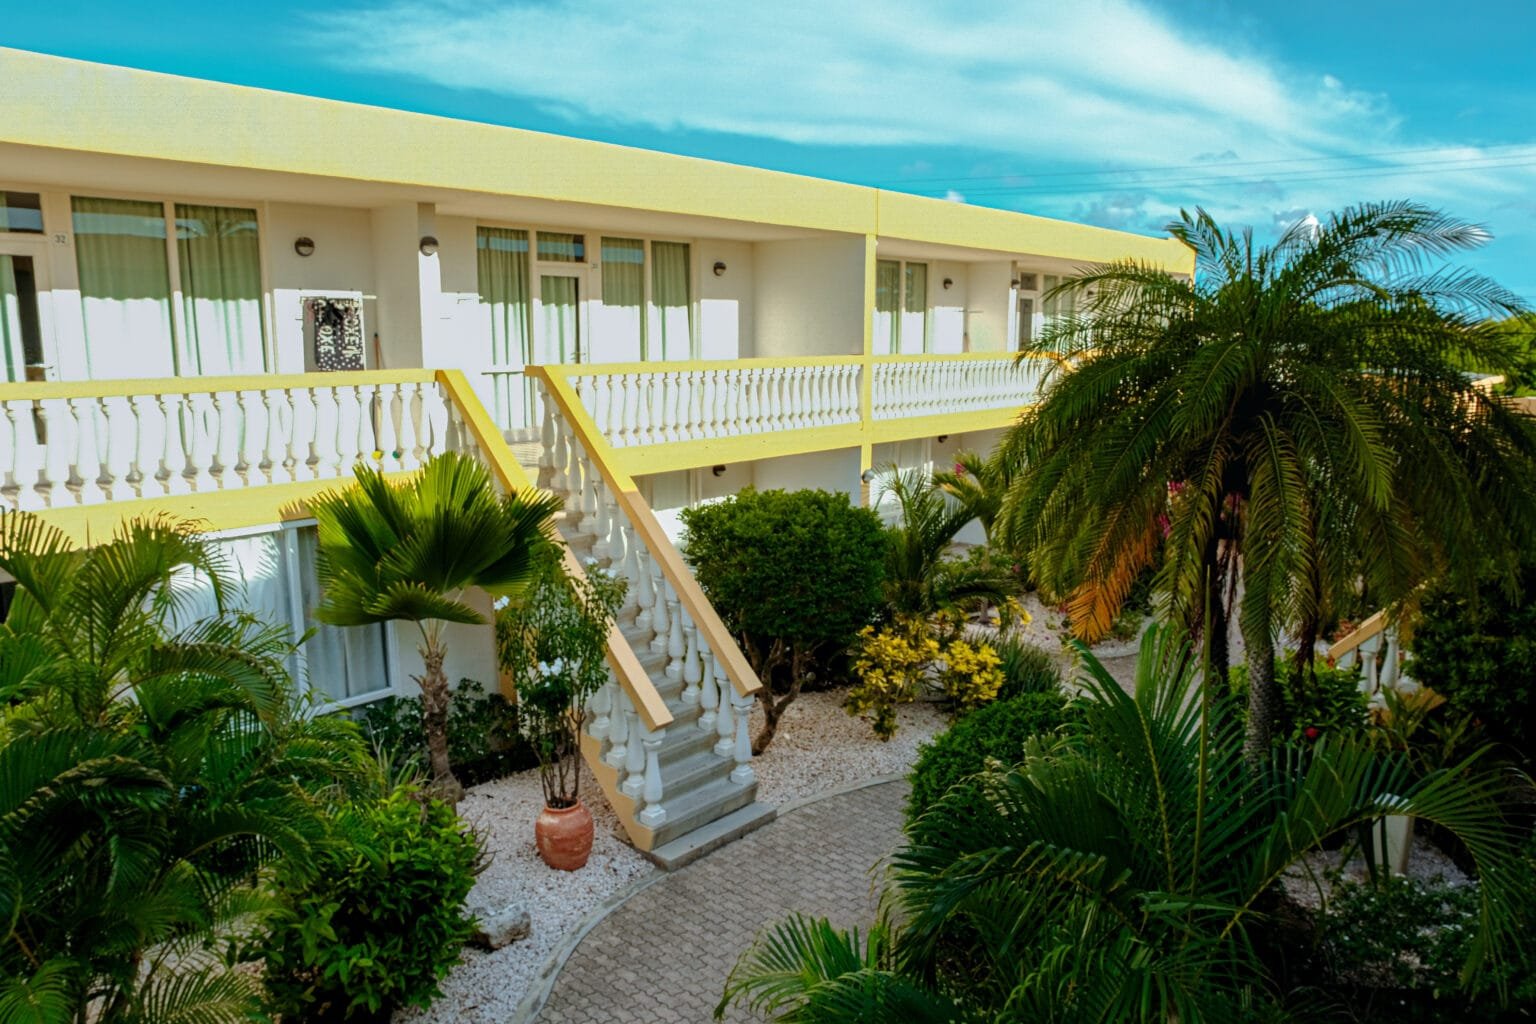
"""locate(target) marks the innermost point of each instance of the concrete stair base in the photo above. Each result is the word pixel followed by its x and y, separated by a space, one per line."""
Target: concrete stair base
pixel 688 848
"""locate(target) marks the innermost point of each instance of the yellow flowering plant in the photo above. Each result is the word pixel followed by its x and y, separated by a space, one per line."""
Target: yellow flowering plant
pixel 892 665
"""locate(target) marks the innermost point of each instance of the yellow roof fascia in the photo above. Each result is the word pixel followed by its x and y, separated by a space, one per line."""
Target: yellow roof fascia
pixel 73 105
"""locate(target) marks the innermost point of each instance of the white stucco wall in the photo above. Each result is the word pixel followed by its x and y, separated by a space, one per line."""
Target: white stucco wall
pixel 725 304
pixel 827 471
pixel 809 297
pixel 342 265
pixel 949 304
pixel 987 305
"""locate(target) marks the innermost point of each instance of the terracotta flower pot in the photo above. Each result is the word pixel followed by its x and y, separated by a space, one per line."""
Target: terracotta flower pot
pixel 564 836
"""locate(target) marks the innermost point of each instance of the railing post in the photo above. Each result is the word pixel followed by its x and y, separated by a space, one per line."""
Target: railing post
pixel 741 709
pixel 651 791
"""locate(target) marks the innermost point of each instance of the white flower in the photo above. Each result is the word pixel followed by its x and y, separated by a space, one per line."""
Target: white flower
pixel 591 563
pixel 501 602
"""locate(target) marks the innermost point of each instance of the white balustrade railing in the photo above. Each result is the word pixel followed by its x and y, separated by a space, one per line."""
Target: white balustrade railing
pixel 657 621
pixel 665 406
pixel 903 387
pixel 67 445
pixel 1380 658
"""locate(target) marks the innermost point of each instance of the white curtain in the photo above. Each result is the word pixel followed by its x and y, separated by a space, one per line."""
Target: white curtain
pixel 671 314
pixel 220 266
pixel 125 289
pixel 887 298
pixel 617 327
pixel 501 256
pixel 342 661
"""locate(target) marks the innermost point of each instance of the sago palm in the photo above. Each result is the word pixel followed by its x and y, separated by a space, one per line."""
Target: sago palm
pixel 150 765
pixel 1125 871
pixel 410 551
pixel 1297 419
pixel 921 576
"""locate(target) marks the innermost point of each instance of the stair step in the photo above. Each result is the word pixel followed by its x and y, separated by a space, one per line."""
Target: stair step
pixel 705 804
pixel 694 772
pixel 686 849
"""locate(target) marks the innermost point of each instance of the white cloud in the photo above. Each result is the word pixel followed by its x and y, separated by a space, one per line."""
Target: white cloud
pixel 1103 83
pixel 952 196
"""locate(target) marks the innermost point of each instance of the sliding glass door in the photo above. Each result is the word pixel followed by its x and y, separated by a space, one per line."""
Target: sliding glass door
pixel 21 322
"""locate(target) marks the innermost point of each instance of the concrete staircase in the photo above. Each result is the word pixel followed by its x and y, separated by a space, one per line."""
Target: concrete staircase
pixel 705 808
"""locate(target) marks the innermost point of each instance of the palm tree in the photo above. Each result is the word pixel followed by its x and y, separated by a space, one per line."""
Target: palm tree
pixel 978 484
pixel 409 551
pixel 150 766
pixel 1125 871
pixel 1296 418
pixel 921 577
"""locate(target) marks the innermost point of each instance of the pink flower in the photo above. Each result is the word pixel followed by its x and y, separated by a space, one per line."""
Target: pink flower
pixel 959 469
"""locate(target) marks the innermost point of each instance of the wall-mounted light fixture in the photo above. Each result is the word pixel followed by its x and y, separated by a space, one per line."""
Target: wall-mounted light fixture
pixel 943 438
pixel 949 283
pixel 428 245
pixel 868 476
pixel 304 246
pixel 717 470
pixel 1014 283
pixel 719 268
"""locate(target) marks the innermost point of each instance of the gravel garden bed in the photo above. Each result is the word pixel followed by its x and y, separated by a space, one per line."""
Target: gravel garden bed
pixel 819 747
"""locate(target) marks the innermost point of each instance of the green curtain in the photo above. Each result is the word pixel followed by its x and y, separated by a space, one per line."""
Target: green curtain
pixel 887 297
pixel 220 257
pixel 342 661
pixel 125 289
pixel 559 308
pixel 501 256
pixel 914 318
pixel 10 319
pixel 671 302
pixel 561 247
pixel 620 332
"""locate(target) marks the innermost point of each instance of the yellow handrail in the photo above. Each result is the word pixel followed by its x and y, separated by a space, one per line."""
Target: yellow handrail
pixel 634 508
pixel 649 703
pixel 1363 632
pixel 205 385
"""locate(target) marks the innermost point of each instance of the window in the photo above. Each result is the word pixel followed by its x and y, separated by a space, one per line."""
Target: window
pixel 125 255
pixel 276 570
pixel 1057 306
pixel 901 307
pixel 671 336
pixel 620 329
pixel 21 212
pixel 559 247
pixel 501 256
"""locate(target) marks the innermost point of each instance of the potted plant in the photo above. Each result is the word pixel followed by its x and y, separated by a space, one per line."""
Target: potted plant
pixel 552 641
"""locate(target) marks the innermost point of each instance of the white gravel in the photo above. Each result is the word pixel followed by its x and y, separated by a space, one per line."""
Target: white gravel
pixel 819 747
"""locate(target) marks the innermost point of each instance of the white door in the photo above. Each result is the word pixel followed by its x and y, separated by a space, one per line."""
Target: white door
pixel 25 324
pixel 560 320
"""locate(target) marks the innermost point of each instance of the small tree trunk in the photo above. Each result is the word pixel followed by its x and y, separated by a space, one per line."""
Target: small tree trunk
pixel 773 710
pixel 1263 693
pixel 435 696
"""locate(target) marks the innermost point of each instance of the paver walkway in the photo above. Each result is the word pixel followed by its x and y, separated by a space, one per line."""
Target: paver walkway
pixel 664 955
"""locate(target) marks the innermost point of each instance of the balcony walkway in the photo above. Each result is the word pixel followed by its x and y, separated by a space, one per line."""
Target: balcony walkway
pixel 664 954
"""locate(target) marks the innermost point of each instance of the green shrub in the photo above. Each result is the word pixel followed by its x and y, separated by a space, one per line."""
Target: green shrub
pixel 795 575
pixel 1480 655
pixel 1027 668
pixel 379 919
pixel 1323 701
pixel 997 731
pixel 483 738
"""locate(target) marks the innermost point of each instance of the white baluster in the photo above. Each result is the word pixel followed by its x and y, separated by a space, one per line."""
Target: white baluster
pixel 601 704
pixel 602 526
pixel 709 692
pixel 49 459
pixel 1368 660
pixel 547 435
pixel 590 485
pixel 82 450
pixel 692 671
pixel 560 452
pixel 678 407
pixel 119 440
pixel 661 617
pixel 725 724
pixel 654 814
pixel 616 523
pixel 630 569
pixel 634 760
pixel 747 381
pixel 388 438
pixel 645 594
pixel 675 645
pixel 741 709
pixel 618 728
pixel 409 428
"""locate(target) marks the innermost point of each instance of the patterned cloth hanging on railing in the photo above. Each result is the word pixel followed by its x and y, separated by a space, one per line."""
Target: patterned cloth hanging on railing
pixel 337 326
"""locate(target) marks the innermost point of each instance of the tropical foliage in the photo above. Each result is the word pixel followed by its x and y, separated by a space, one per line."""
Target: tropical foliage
pixel 1295 419
pixel 1124 871
pixel 153 763
pixel 552 640
pixel 898 664
pixel 411 551
pixel 794 575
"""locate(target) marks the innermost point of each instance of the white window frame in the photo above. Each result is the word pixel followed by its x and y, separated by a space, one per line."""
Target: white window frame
pixel 901 304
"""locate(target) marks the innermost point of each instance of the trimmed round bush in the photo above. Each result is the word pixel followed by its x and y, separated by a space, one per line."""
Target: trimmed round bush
pixel 378 919
pixel 995 732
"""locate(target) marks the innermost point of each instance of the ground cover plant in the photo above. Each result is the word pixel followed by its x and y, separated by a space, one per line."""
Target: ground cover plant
pixel 484 741
pixel 794 575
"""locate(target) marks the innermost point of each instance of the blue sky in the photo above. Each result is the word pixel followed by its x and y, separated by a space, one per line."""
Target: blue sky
pixel 1114 112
